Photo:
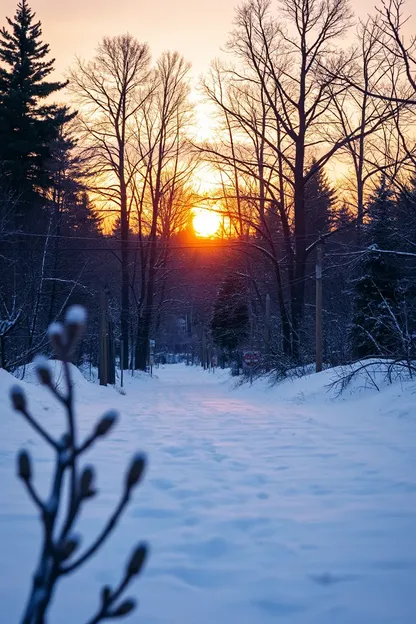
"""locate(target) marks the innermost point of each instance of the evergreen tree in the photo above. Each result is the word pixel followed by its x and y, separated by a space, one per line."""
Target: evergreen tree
pixel 65 167
pixel 377 293
pixel 343 217
pixel 319 202
pixel 82 219
pixel 406 237
pixel 28 125
pixel 230 321
pixel 406 216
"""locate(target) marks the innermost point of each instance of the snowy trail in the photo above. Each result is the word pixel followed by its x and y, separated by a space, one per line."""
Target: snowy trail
pixel 259 506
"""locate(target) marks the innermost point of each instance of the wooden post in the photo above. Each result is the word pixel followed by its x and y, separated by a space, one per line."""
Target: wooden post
pixel 152 345
pixel 111 361
pixel 204 355
pixel 121 363
pixel 103 364
pixel 267 330
pixel 2 352
pixel 319 255
pixel 133 352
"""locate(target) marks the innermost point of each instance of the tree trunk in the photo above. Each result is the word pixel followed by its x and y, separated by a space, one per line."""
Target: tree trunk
pixel 145 322
pixel 298 287
pixel 124 275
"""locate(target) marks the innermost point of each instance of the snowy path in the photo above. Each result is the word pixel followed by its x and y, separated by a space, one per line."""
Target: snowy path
pixel 260 506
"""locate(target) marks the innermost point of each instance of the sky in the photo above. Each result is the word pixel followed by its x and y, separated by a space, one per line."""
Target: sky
pixel 198 29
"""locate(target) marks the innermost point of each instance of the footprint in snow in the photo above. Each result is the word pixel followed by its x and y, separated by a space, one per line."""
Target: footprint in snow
pixel 331 579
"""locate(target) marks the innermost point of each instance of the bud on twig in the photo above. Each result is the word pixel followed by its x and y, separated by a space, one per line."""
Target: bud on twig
pixel 106 423
pixel 75 319
pixel 56 336
pixel 24 466
pixel 43 370
pixel 125 608
pixel 18 398
pixel 136 470
pixel 86 482
pixel 137 560
pixel 105 594
pixel 76 315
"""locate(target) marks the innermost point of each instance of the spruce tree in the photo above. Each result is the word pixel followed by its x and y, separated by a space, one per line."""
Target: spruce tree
pixel 28 125
pixel 377 291
pixel 230 321
pixel 319 201
pixel 406 216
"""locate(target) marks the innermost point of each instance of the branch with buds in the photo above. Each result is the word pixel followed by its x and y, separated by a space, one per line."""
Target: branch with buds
pixel 61 553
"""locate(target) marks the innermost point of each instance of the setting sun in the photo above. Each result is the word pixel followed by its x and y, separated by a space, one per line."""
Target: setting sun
pixel 206 222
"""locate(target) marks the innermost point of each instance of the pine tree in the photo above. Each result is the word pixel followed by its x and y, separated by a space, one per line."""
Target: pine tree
pixel 406 216
pixel 319 201
pixel 27 124
pixel 343 217
pixel 377 291
pixel 230 321
pixel 65 166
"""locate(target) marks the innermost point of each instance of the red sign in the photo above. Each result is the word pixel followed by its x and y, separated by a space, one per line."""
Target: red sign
pixel 251 357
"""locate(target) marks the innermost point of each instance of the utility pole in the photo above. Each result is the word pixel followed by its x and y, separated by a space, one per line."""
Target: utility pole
pixel 121 362
pixel 319 255
pixel 267 330
pixel 103 362
pixel 2 352
pixel 204 350
pixel 111 357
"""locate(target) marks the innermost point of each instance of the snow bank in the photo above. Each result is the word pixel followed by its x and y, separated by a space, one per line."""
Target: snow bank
pixel 82 377
pixel 261 504
pixel 28 374
pixel 326 386
pixel 32 390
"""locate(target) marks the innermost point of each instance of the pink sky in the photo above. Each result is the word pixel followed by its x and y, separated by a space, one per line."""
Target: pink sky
pixel 197 29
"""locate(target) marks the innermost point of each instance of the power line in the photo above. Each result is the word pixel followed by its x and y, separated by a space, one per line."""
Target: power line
pixel 111 237
pixel 136 243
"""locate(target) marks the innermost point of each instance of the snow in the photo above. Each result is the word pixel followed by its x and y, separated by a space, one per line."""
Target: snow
pixel 260 504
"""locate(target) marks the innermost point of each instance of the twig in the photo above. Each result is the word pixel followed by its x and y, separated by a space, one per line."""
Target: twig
pixel 59 546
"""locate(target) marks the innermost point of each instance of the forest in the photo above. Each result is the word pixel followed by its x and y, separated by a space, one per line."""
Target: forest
pixel 290 232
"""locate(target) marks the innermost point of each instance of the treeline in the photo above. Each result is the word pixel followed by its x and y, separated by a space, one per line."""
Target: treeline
pixel 96 196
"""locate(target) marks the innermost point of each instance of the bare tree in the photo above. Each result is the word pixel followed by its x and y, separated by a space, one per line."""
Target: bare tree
pixel 253 174
pixel 287 57
pixel 387 26
pixel 379 152
pixel 281 63
pixel 162 125
pixel 390 22
pixel 283 70
pixel 110 90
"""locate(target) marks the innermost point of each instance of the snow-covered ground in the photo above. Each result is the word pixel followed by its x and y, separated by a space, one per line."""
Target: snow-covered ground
pixel 261 505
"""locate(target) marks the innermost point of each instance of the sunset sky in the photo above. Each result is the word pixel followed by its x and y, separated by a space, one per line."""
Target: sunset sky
pixel 197 30
pixel 194 28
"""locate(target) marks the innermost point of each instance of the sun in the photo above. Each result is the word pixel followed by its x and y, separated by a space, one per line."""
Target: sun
pixel 206 222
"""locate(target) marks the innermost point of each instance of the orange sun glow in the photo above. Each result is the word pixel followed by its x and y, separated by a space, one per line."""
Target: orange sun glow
pixel 206 222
